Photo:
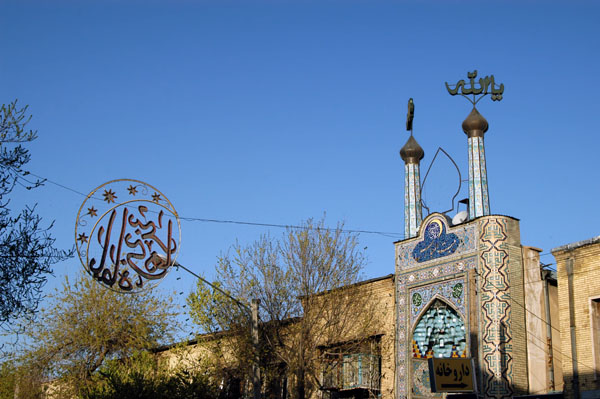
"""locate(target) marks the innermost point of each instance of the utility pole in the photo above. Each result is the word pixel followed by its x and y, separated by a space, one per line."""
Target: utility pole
pixel 256 366
pixel 545 277
pixel 573 329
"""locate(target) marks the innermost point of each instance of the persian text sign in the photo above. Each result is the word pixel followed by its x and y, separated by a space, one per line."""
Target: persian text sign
pixel 451 375
pixel 127 235
pixel 487 86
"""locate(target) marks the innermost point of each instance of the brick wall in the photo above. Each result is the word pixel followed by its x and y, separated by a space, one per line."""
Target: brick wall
pixel 585 258
pixel 379 293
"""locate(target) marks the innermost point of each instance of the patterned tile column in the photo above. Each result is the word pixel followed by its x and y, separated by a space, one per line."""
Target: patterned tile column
pixel 478 188
pixel 475 127
pixel 413 215
pixel 411 154
pixel 497 331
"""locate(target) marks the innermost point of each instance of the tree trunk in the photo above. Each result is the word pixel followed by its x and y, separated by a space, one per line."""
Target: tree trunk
pixel 300 388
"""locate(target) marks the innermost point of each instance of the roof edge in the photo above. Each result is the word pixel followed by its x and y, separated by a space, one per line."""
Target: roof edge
pixel 574 245
pixel 357 284
pixel 458 224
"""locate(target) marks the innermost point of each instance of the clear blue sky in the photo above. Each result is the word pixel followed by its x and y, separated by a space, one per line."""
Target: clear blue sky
pixel 273 112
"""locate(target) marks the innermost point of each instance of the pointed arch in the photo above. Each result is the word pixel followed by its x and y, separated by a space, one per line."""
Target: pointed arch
pixel 416 317
pixel 439 331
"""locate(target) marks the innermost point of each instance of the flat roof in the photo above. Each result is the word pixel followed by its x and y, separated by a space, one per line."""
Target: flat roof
pixel 575 245
pixel 358 283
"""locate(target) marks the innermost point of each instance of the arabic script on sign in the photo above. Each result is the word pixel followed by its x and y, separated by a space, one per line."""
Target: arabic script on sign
pixel 487 85
pixel 127 238
pixel 451 375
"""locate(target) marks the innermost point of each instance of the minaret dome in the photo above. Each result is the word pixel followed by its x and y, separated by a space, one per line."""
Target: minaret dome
pixel 412 151
pixel 475 125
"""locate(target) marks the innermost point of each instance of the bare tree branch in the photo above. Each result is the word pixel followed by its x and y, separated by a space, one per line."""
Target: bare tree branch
pixel 304 281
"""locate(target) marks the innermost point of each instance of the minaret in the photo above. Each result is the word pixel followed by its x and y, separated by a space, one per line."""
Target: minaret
pixel 411 154
pixel 475 127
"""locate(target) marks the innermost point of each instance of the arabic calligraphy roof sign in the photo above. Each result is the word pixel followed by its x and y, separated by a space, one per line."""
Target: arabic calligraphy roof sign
pixel 487 85
pixel 127 235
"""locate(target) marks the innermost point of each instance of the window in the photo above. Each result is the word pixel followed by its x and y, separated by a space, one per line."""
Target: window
pixel 440 332
pixel 352 369
pixel 361 370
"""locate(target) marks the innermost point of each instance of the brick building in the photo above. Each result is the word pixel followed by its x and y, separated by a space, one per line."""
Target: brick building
pixel 578 267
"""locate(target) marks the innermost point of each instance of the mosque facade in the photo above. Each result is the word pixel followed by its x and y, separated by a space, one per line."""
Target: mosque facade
pixel 460 289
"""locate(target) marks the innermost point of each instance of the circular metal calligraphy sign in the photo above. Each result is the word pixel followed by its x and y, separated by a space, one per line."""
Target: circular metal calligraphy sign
pixel 127 235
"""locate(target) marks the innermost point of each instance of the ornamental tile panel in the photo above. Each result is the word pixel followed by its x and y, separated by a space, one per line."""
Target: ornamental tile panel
pixel 452 291
pixel 456 241
pixel 405 281
pixel 496 334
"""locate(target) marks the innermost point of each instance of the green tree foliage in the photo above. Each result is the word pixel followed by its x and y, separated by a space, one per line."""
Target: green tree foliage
pixel 145 376
pixel 27 250
pixel 19 381
pixel 84 325
pixel 286 274
pixel 8 378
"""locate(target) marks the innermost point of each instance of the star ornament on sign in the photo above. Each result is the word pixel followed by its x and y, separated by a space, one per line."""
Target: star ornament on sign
pixel 109 196
pixel 130 245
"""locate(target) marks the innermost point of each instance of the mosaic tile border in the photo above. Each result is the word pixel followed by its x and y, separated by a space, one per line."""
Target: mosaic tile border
pixel 496 329
pixel 404 282
pixel 421 382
